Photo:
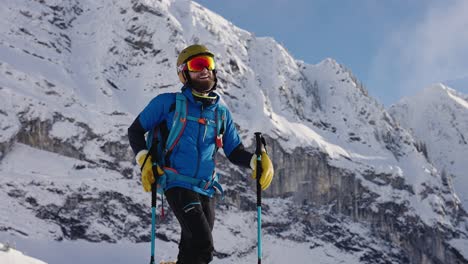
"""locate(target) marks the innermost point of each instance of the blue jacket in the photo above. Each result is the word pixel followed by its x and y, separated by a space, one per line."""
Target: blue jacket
pixel 194 155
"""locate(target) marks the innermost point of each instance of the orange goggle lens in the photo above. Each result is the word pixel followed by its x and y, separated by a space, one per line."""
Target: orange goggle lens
pixel 201 62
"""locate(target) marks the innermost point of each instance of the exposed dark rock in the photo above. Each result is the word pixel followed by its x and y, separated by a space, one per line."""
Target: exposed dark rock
pixel 82 209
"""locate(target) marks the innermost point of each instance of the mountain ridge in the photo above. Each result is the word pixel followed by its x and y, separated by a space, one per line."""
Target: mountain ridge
pixel 437 117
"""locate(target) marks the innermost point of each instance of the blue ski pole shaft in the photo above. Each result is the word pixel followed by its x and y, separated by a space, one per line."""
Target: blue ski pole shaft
pixel 153 212
pixel 153 221
pixel 258 152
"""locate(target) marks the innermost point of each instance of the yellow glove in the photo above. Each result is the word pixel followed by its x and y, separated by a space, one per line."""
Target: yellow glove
pixel 147 175
pixel 267 170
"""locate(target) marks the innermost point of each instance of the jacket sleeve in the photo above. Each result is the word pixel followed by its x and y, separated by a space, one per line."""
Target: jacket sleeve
pixel 233 147
pixel 136 136
pixel 151 116
pixel 240 156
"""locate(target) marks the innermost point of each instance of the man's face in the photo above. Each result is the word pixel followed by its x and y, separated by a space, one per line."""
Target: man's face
pixel 202 81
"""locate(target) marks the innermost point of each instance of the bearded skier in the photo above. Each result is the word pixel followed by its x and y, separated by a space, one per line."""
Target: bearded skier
pixel 193 124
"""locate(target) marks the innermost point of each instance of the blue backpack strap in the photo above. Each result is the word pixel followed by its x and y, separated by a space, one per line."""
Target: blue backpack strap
pixel 221 120
pixel 221 117
pixel 198 185
pixel 149 139
pixel 178 124
pixel 220 124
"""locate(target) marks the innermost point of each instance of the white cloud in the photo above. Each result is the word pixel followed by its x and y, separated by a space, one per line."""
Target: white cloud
pixel 431 50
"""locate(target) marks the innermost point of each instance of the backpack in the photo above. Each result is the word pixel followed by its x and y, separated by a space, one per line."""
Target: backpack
pixel 160 142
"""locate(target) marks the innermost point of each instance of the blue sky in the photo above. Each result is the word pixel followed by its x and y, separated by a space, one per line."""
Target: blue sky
pixel 395 47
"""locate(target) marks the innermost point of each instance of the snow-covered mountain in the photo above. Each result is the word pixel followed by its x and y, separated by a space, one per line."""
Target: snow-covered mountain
pixel 460 84
pixel 12 256
pixel 438 118
pixel 351 185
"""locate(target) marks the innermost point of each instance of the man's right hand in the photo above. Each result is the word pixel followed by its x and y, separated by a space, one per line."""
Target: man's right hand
pixel 147 175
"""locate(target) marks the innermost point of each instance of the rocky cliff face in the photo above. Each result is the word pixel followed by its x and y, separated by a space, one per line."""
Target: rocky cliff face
pixel 347 175
pixel 314 183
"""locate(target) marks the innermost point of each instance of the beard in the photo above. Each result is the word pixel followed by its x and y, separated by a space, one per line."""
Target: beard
pixel 202 86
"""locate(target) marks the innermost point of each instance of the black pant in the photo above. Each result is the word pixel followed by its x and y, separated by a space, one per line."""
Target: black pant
pixel 196 215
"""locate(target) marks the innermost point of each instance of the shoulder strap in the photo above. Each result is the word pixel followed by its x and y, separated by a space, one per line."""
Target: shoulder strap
pixel 221 119
pixel 149 137
pixel 178 124
pixel 220 125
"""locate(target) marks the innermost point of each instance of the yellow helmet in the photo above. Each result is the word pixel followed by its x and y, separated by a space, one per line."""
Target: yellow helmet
pixel 188 53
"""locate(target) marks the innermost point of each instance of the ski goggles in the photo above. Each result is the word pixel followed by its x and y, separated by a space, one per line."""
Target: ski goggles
pixel 199 63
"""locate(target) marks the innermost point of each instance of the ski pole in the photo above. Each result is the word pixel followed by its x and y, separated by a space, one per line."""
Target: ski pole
pixel 258 151
pixel 153 210
pixel 153 220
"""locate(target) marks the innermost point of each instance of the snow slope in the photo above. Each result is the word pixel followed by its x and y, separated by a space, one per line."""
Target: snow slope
pixel 12 256
pixel 235 232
